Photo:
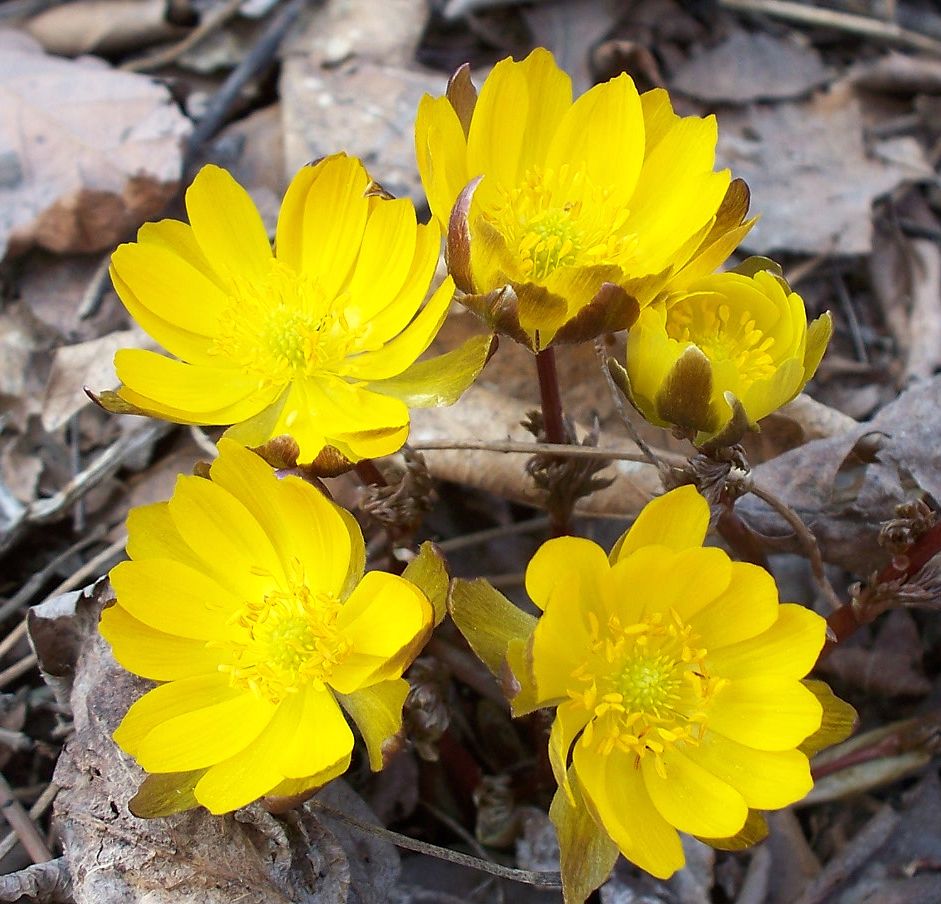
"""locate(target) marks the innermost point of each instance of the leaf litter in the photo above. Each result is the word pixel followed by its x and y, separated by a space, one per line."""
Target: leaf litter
pixel 835 134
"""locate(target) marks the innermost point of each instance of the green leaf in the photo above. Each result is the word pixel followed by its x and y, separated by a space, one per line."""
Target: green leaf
pixel 165 794
pixel 377 712
pixel 586 852
pixel 839 719
pixel 441 380
pixel 428 572
pixel 488 621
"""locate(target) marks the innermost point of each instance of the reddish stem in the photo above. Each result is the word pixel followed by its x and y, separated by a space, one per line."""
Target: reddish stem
pixel 740 537
pixel 845 620
pixel 552 423
pixel 369 473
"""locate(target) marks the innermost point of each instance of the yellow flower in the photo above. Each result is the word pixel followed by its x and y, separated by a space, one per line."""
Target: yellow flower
pixel 677 678
pixel 563 218
pixel 317 341
pixel 719 357
pixel 246 595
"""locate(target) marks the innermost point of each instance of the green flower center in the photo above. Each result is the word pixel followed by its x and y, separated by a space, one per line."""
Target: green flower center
pixel 645 686
pixel 724 335
pixel 559 219
pixel 288 641
pixel 283 328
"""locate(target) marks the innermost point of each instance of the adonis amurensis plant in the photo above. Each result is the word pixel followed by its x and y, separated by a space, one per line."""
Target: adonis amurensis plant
pixel 676 679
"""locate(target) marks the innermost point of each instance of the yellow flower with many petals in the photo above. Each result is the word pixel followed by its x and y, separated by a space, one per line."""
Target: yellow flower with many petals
pixel 677 678
pixel 717 358
pixel 246 595
pixel 317 341
pixel 563 218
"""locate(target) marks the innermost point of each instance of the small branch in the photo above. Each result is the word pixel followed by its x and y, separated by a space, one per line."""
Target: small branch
pixel 42 804
pixel 26 664
pixel 25 829
pixel 214 19
pixel 806 539
pixel 549 880
pixel 260 55
pixel 848 618
pixel 494 533
pixel 648 454
pixel 862 26
pixel 561 451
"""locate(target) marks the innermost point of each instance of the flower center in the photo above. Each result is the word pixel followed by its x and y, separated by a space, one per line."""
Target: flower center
pixel 289 641
pixel 283 327
pixel 559 219
pixel 724 335
pixel 645 686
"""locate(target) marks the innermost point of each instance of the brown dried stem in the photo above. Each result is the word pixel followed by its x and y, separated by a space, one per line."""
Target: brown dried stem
pixel 25 829
pixel 550 880
pixel 806 539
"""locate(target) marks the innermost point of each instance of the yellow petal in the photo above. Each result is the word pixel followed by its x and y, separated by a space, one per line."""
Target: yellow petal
pixel 204 736
pixel 174 598
pixel 377 712
pixel 495 140
pixel 169 701
pixel 766 713
pixel 254 770
pixel 656 579
pixel 388 321
pixel 322 220
pixel 659 117
pixel 154 654
pixel 604 132
pixel 562 636
pixel 180 239
pixel 153 535
pixel 748 607
pixel 225 534
pixel 170 287
pixel 189 346
pixel 397 354
pixel 788 649
pixel 201 392
pixel 678 519
pixel 561 558
pixel 549 90
pixel 228 226
pixel 766 779
pixel 677 191
pixel 570 719
pixel 616 793
pixel 692 798
pixel 382 617
pixel 319 738
pixel 385 259
pixel 294 786
pixel 441 152
pixel 372 425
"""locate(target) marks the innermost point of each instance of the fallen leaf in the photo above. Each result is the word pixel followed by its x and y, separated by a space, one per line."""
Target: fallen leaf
pixel 89 152
pixel 345 83
pixel 810 176
pixel 85 364
pixel 103 27
pixel 749 66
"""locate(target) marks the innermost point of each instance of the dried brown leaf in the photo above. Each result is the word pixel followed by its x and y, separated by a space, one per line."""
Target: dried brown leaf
pixel 749 66
pixel 89 152
pixel 809 172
